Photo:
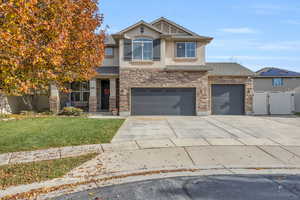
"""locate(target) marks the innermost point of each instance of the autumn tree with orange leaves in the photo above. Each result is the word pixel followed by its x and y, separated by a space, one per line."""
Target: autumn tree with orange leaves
pixel 45 42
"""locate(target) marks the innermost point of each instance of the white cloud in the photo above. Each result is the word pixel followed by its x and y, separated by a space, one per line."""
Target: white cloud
pixel 285 45
pixel 239 57
pixel 291 21
pixel 242 30
pixel 272 9
pixel 254 44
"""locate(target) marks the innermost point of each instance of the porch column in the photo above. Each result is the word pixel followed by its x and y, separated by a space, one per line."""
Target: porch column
pixel 54 101
pixel 113 96
pixel 93 96
pixel 4 105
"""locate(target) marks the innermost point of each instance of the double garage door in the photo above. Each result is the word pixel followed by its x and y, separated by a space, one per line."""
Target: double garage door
pixel 226 100
pixel 163 101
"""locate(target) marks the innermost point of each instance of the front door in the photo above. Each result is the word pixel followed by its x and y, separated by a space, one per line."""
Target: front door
pixel 105 92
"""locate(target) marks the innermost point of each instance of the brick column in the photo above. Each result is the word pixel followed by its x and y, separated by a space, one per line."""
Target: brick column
pixel 54 101
pixel 249 96
pixel 93 96
pixel 113 96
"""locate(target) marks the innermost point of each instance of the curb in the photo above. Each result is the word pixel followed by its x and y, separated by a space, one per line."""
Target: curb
pixel 62 186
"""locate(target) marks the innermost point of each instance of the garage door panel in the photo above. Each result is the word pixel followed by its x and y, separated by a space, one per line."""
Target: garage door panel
pixel 228 99
pixel 163 101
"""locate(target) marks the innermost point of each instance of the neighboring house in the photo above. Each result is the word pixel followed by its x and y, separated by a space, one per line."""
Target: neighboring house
pixel 276 80
pixel 159 68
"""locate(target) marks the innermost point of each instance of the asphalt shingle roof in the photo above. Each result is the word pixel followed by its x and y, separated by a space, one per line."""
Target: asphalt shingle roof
pixel 109 40
pixel 104 70
pixel 229 69
pixel 276 72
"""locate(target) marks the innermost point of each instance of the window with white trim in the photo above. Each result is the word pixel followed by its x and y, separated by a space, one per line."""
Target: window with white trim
pixel 186 49
pixel 142 49
pixel 109 51
pixel 277 82
pixel 80 91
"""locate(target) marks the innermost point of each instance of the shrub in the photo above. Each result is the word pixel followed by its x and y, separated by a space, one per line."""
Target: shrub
pixel 4 116
pixel 28 113
pixel 48 112
pixel 71 111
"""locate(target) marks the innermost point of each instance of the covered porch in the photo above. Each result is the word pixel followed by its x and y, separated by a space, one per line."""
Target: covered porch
pixel 99 95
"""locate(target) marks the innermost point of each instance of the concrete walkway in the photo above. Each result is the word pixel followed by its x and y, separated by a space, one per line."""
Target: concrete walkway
pixel 64 152
pixel 119 166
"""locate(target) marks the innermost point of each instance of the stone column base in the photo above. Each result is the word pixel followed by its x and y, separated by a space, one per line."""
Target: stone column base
pixel 113 105
pixel 93 104
pixel 125 114
pixel 54 104
pixel 249 113
pixel 203 113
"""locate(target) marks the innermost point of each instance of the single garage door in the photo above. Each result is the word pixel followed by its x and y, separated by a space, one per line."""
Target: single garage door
pixel 228 99
pixel 163 101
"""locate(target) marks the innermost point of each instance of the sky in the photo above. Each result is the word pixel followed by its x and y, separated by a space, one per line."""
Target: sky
pixel 254 33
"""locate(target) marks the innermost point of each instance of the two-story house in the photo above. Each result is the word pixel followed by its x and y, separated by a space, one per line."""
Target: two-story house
pixel 159 68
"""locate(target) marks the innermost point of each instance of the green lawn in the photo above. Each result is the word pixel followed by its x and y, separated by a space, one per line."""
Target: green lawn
pixel 26 173
pixel 42 133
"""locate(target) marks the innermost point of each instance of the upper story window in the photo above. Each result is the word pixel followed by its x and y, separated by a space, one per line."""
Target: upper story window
pixel 186 49
pixel 277 82
pixel 142 49
pixel 109 51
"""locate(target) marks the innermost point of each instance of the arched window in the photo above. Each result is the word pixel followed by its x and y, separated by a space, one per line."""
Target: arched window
pixel 142 49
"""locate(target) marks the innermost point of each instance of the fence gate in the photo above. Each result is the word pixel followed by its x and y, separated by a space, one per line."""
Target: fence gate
pixel 297 102
pixel 281 103
pixel 260 103
pixel 274 103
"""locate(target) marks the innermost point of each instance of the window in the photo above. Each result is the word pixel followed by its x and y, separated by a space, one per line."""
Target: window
pixel 80 91
pixel 142 49
pixel 109 51
pixel 186 49
pixel 277 82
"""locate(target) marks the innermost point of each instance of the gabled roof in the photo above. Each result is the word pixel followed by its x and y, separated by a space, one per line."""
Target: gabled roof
pixel 109 40
pixel 229 69
pixel 276 72
pixel 142 22
pixel 191 35
pixel 179 27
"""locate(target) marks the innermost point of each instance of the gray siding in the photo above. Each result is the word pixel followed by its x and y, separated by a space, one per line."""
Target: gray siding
pixel 266 84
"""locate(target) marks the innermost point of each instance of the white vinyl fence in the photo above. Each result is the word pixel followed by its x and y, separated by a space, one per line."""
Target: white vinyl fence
pixel 297 102
pixel 261 103
pixel 275 103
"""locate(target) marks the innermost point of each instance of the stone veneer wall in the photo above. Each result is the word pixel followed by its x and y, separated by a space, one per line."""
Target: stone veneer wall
pixel 157 78
pixel 248 82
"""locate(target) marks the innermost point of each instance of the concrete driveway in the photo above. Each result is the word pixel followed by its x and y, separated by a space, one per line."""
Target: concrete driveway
pixel 208 128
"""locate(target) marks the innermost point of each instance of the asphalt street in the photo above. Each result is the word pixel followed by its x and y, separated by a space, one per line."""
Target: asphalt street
pixel 221 187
